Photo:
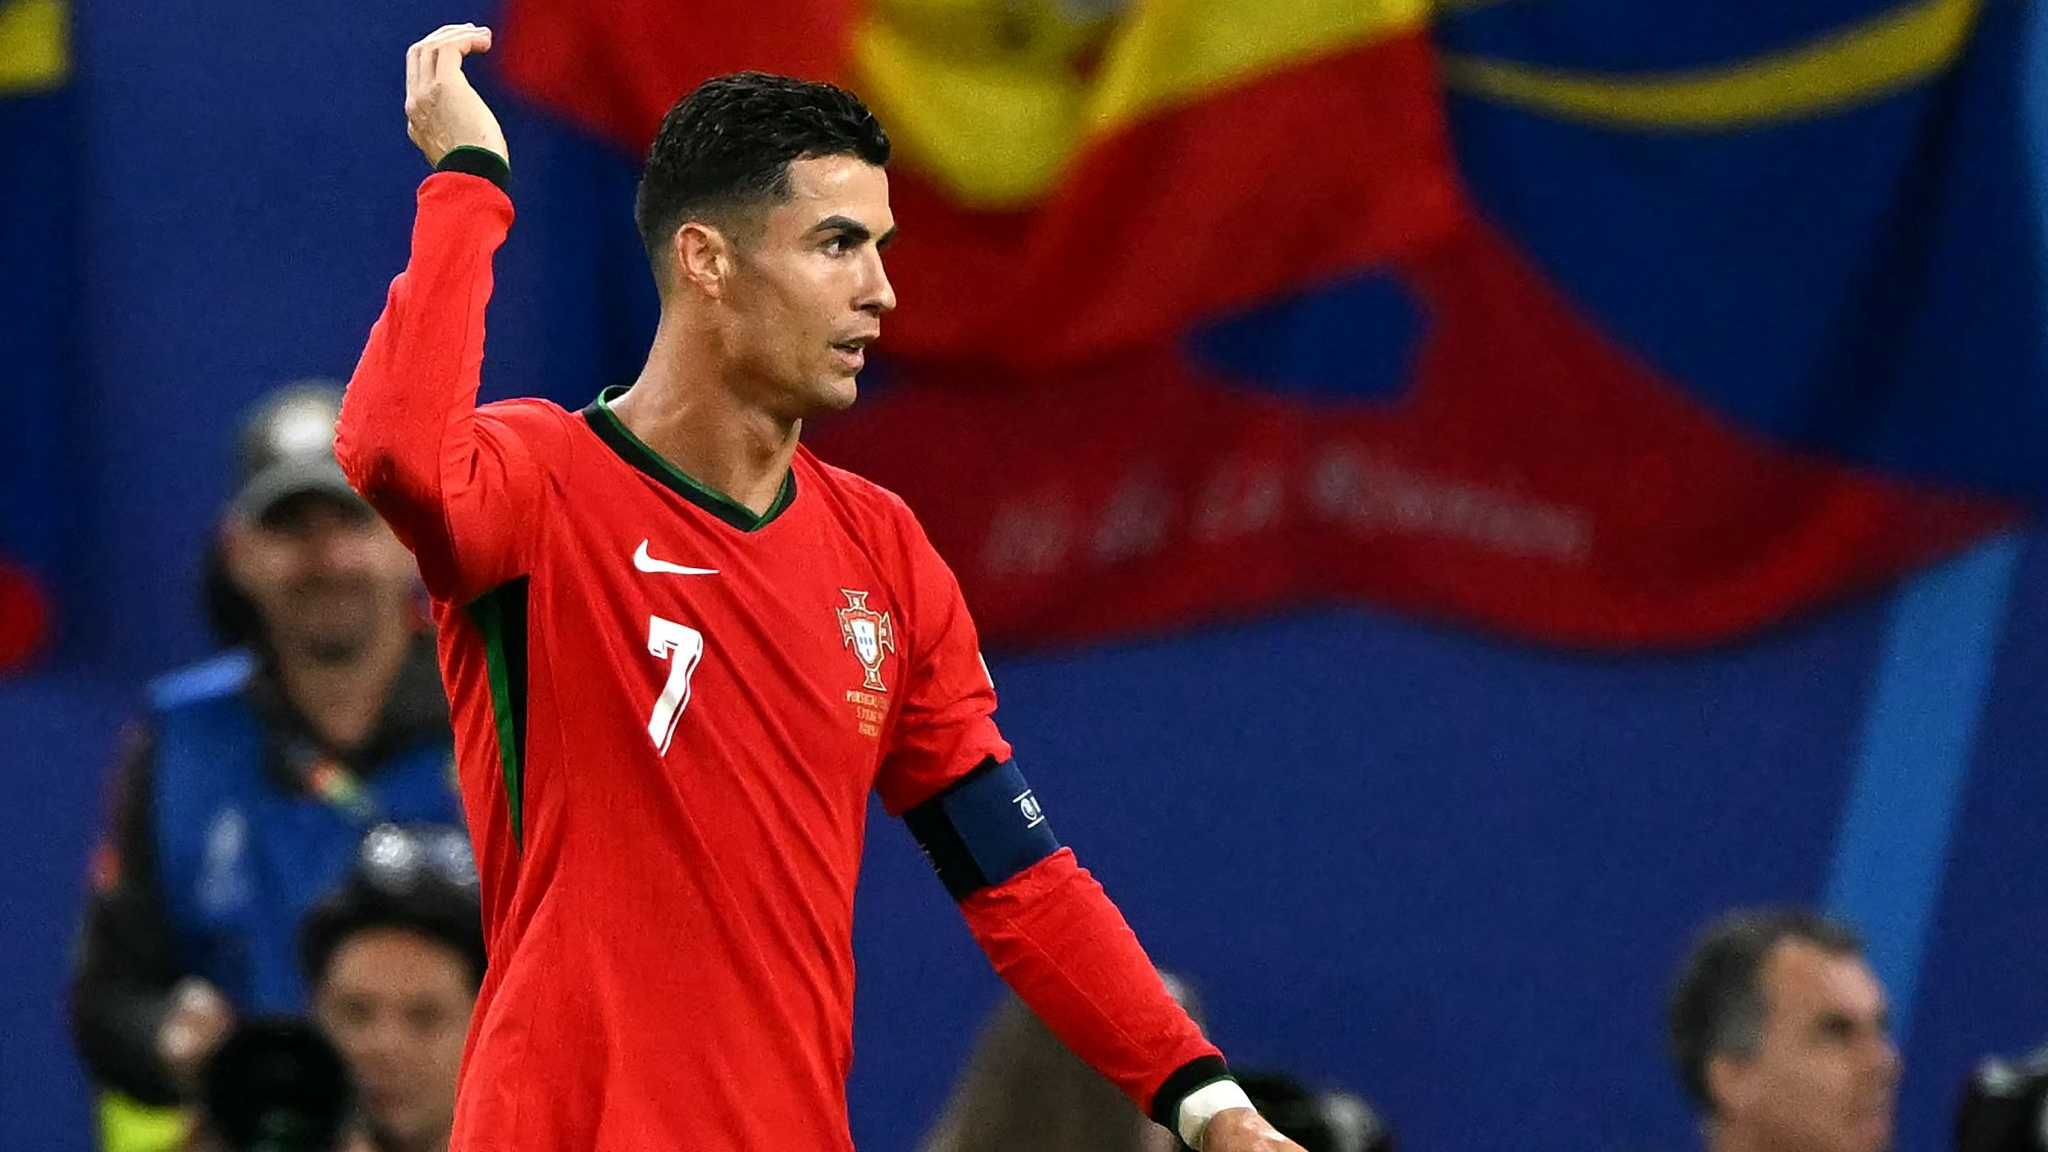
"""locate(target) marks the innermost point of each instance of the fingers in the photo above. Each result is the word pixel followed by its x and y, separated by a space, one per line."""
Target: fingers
pixel 441 53
pixel 448 32
pixel 447 60
pixel 438 55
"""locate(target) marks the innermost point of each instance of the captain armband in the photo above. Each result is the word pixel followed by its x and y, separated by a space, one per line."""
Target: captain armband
pixel 984 829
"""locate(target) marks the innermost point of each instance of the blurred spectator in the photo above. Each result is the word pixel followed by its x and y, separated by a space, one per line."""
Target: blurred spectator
pixel 1024 1089
pixel 1318 1121
pixel 395 960
pixel 1780 1034
pixel 2005 1105
pixel 249 782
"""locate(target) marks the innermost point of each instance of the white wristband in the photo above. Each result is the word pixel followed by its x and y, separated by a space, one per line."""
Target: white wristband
pixel 1202 1105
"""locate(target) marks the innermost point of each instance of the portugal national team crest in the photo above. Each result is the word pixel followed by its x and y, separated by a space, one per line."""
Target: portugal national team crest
pixel 869 634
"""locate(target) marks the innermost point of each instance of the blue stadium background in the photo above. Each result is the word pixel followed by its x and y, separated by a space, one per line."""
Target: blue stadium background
pixel 1447 872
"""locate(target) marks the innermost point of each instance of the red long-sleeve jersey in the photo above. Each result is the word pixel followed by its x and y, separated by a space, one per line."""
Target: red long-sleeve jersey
pixel 669 713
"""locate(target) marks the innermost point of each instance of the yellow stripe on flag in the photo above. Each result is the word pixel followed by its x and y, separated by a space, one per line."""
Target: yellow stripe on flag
pixel 1855 65
pixel 1175 51
pixel 35 51
pixel 984 97
pixel 993 97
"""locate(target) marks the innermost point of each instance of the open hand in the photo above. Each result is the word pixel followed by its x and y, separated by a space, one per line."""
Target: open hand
pixel 442 111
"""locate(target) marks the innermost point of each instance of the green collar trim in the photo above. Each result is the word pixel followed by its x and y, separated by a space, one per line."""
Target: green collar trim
pixel 634 451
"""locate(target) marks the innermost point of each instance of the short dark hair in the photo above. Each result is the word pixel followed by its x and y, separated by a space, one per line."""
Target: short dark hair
pixel 1717 1004
pixel 430 908
pixel 727 146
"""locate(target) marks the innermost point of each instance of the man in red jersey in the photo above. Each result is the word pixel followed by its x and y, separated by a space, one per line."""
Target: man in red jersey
pixel 682 651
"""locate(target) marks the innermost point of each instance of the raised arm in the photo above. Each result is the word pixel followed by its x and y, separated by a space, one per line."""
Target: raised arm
pixel 462 487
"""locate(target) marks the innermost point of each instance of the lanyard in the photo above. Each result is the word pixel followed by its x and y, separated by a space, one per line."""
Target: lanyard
pixel 329 781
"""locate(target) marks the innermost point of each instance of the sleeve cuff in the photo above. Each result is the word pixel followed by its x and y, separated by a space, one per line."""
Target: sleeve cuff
pixel 1197 1073
pixel 475 161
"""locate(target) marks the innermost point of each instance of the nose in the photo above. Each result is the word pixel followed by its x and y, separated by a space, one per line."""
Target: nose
pixel 877 295
pixel 378 1046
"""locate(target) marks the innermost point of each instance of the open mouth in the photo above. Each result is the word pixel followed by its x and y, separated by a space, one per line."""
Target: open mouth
pixel 852 353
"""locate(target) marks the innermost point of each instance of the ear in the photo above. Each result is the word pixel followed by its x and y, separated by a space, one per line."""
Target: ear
pixel 703 258
pixel 1731 1085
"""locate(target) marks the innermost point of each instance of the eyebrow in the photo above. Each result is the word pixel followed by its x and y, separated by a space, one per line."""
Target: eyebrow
pixel 1838 1022
pixel 853 230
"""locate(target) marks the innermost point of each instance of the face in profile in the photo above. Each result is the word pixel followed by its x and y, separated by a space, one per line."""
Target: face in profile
pixel 324 574
pixel 805 293
pixel 397 1006
pixel 1825 1074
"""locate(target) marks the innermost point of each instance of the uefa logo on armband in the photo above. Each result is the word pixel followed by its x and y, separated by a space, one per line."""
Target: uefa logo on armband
pixel 1027 804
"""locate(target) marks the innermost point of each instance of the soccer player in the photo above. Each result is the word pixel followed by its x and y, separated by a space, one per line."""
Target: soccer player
pixel 682 650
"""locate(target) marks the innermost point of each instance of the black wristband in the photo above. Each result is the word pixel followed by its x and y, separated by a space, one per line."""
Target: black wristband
pixel 1196 1073
pixel 478 162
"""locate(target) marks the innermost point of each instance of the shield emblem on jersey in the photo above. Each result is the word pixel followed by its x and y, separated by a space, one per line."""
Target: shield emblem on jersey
pixel 869 634
pixel 865 644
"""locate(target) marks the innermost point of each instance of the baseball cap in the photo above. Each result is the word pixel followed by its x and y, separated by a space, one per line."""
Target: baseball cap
pixel 286 448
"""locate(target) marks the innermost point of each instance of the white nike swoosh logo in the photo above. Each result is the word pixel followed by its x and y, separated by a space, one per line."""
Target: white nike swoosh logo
pixel 646 563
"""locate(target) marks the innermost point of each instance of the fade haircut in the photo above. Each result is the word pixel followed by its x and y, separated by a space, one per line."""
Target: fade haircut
pixel 725 150
pixel 1717 1004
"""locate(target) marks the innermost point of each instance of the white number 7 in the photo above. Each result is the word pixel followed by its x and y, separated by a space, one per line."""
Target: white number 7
pixel 684 646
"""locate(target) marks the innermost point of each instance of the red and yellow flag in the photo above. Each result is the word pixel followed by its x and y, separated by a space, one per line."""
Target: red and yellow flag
pixel 1072 181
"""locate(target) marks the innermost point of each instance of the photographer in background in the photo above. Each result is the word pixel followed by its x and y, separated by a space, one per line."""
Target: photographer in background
pixel 395 959
pixel 2005 1106
pixel 1781 1037
pixel 251 779
pixel 275 1085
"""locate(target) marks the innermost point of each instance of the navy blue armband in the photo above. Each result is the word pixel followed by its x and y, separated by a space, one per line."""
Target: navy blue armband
pixel 984 829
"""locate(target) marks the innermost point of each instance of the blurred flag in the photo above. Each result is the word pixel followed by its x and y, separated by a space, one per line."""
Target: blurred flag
pixel 1653 328
pixel 1072 179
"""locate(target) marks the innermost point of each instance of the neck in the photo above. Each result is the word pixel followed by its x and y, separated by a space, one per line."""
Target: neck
pixel 342 701
pixel 691 414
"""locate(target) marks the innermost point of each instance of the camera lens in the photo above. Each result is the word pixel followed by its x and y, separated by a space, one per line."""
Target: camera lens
pixel 277 1085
